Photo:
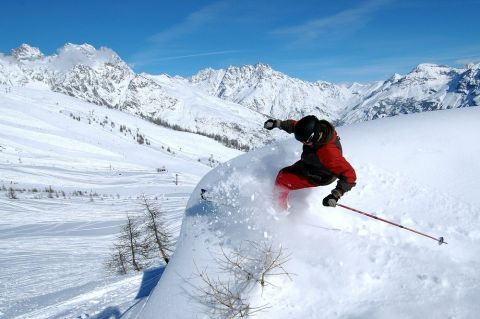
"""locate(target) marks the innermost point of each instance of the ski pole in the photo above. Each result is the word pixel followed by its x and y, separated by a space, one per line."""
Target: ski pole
pixel 440 240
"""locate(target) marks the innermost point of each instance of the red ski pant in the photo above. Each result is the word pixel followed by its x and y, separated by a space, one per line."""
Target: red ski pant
pixel 289 178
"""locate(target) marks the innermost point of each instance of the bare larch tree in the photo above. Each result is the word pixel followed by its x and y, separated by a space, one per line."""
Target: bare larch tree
pixel 159 236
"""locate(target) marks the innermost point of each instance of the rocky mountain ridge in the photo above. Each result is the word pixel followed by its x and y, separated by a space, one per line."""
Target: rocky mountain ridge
pixel 427 87
pixel 265 90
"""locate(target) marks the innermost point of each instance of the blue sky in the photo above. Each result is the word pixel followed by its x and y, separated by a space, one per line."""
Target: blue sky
pixel 337 41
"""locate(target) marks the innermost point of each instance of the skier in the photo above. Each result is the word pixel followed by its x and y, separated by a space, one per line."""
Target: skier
pixel 321 162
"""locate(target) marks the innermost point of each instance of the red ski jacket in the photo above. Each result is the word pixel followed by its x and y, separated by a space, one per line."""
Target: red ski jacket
pixel 324 159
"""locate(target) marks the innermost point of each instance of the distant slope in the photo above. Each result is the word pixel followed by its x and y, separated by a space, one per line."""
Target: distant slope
pixel 41 115
pixel 419 170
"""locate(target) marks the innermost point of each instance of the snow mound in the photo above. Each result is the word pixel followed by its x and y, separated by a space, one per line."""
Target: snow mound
pixel 418 170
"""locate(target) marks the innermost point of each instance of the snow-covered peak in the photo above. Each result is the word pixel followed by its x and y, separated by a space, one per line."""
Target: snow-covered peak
pixel 430 71
pixel 265 90
pixel 258 69
pixel 32 60
pixel 427 66
pixel 85 48
pixel 248 72
pixel 26 52
pixel 428 87
pixel 468 84
pixel 71 55
pixel 394 78
pixel 208 79
pixel 473 66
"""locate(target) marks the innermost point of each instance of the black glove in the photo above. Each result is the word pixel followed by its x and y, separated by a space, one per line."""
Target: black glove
pixel 271 123
pixel 332 199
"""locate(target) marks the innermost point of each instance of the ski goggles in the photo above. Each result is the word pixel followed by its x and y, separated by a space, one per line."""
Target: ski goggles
pixel 310 139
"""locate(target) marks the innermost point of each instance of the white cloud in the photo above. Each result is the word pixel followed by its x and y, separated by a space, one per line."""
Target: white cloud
pixel 191 23
pixel 468 60
pixel 341 23
pixel 150 60
pixel 165 45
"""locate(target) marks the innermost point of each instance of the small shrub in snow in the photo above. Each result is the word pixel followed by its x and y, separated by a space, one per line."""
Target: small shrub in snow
pixel 140 139
pixel 224 299
pixel 257 262
pixel 11 193
pixel 246 267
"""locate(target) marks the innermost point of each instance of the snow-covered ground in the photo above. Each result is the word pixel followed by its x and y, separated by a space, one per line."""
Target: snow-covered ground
pixel 418 170
pixel 54 244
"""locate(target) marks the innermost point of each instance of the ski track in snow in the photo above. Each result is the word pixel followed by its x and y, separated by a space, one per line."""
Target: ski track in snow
pixel 46 259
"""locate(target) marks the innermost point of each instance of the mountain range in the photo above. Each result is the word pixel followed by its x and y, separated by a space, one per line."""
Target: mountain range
pixel 230 104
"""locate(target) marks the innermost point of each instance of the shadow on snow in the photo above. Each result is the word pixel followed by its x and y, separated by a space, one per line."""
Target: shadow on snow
pixel 149 281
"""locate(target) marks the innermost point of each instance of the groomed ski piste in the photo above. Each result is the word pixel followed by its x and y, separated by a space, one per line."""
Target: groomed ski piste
pixel 419 170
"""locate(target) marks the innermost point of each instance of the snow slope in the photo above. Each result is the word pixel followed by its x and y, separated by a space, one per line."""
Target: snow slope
pixel 54 247
pixel 419 170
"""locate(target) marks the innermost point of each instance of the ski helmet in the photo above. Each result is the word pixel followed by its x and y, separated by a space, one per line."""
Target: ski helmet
pixel 307 129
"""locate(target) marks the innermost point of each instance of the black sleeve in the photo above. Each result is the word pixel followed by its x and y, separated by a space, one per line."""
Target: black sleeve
pixel 343 185
pixel 288 126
